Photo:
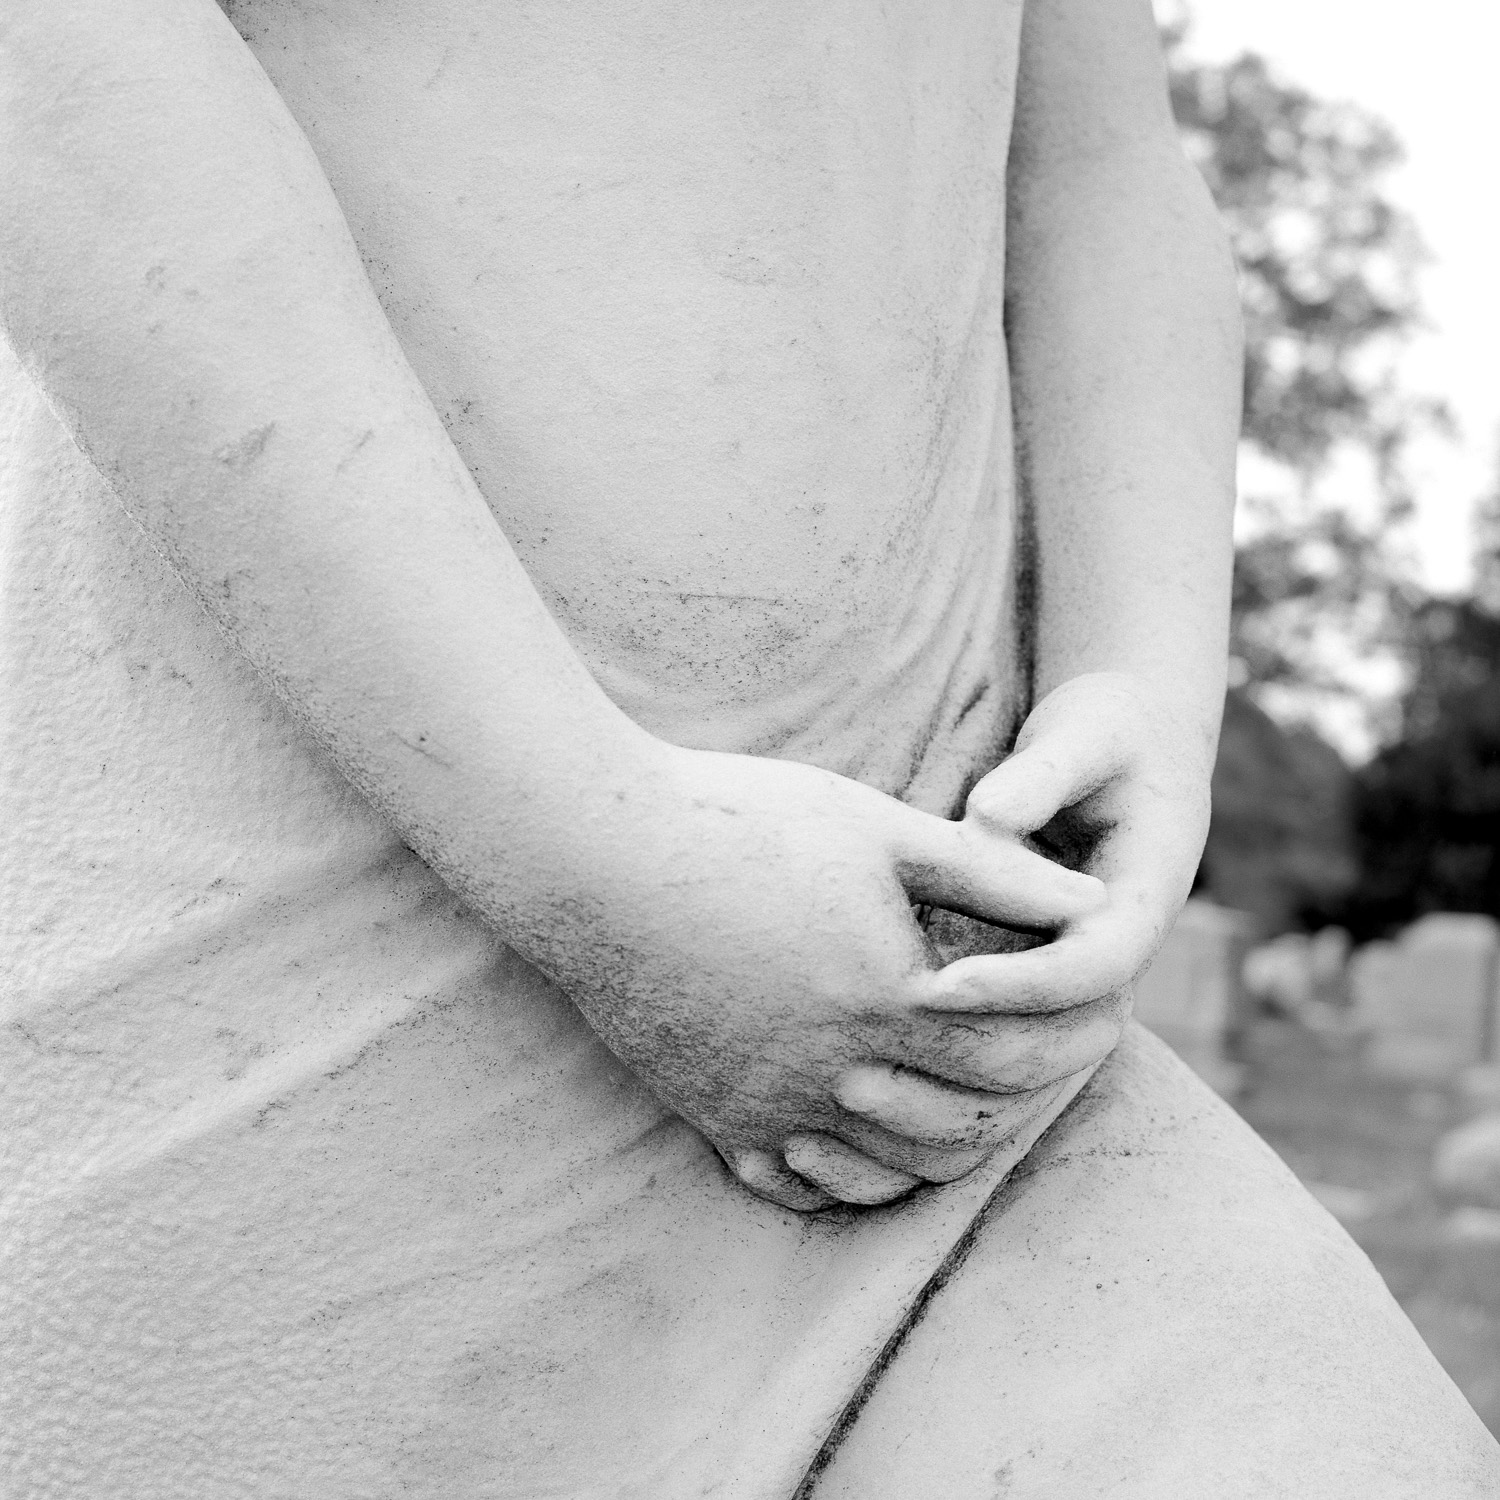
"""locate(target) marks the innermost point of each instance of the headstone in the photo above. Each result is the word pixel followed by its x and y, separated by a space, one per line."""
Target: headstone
pixel 1427 1000
pixel 1466 1164
pixel 1328 965
pixel 1280 973
pixel 1190 996
pixel 1479 1088
pixel 1305 978
pixel 1470 1250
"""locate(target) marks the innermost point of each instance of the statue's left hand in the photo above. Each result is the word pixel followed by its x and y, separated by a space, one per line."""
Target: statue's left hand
pixel 1106 780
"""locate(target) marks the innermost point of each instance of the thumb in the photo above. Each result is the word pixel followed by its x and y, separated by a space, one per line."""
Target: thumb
pixel 1026 791
pixel 1074 742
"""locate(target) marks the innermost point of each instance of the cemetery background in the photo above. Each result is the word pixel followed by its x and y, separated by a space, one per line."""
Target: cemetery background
pixel 1337 975
pixel 1375 1073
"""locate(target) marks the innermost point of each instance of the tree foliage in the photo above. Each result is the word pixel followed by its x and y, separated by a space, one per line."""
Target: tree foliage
pixel 1281 845
pixel 1428 805
pixel 1328 278
pixel 1327 263
pixel 1328 271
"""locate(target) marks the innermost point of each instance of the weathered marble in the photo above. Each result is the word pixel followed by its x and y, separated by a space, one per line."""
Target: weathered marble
pixel 312 1186
pixel 1154 1307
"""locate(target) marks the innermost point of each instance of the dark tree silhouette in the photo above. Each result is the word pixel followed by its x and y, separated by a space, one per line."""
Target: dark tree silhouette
pixel 1428 806
pixel 1281 845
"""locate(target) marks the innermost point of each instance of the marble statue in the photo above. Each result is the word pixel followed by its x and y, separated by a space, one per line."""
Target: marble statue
pixel 613 632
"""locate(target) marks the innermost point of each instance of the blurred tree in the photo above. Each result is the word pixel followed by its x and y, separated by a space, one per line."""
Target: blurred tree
pixel 1428 805
pixel 1281 845
pixel 1486 536
pixel 1328 281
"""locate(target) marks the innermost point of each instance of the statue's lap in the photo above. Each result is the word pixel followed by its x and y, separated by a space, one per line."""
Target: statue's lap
pixel 1155 1307
pixel 334 1195
pixel 308 1182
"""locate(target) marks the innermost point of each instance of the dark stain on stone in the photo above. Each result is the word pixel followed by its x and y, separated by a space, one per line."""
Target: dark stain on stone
pixel 348 458
pixel 243 452
pixel 914 1315
pixel 423 746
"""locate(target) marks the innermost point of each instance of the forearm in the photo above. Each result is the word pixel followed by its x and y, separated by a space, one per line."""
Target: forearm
pixel 1125 349
pixel 179 279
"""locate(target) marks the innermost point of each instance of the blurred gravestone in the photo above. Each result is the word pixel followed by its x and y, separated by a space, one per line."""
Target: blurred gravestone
pixel 1190 996
pixel 1428 999
pixel 1466 1164
pixel 1305 979
pixel 1280 973
pixel 1328 953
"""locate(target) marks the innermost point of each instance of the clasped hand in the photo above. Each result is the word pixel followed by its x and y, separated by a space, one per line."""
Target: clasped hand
pixel 757 962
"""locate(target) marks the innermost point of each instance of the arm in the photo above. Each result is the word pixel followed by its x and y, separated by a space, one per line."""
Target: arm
pixel 175 273
pixel 1126 349
pixel 179 279
pixel 1126 356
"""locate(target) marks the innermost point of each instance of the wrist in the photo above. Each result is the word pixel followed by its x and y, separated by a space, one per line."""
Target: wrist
pixel 1180 708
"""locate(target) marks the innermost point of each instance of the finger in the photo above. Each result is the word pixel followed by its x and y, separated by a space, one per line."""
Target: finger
pixel 1027 790
pixel 1096 958
pixel 930 1112
pixel 847 1174
pixel 1009 1054
pixel 1073 743
pixel 929 1163
pixel 902 1154
pixel 1100 954
pixel 995 879
pixel 769 1178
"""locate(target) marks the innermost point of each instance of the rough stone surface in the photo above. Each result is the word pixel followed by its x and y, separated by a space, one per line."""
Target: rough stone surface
pixel 311 1187
pixel 1202 1328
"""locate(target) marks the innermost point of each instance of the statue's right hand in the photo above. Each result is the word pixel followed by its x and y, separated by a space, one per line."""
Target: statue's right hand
pixel 752 954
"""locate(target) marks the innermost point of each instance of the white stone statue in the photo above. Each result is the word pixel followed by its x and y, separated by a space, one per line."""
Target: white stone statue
pixel 524 528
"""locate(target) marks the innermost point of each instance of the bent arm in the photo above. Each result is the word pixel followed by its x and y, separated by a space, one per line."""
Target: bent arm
pixel 1126 351
pixel 177 276
pixel 179 279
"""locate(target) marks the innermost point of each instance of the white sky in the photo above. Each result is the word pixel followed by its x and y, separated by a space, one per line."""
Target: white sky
pixel 1430 71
